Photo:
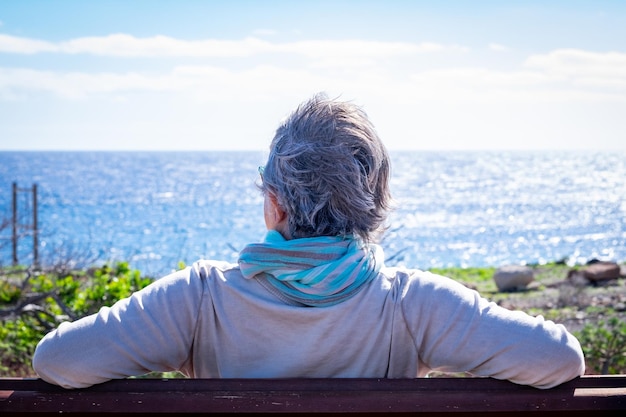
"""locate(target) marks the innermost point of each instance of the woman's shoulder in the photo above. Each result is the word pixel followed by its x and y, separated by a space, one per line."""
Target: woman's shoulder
pixel 209 268
pixel 225 278
pixel 408 276
pixel 413 283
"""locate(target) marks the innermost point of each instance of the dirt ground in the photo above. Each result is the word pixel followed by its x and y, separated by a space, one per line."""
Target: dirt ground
pixel 570 302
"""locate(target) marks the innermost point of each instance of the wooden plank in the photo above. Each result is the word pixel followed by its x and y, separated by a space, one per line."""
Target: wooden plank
pixel 471 396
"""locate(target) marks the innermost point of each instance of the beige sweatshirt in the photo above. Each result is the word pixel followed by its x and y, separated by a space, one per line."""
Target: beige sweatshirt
pixel 209 322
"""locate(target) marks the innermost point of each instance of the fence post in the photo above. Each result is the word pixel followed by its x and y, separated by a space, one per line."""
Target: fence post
pixel 14 224
pixel 35 229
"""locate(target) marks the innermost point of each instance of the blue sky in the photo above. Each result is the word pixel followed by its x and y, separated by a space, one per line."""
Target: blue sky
pixel 187 75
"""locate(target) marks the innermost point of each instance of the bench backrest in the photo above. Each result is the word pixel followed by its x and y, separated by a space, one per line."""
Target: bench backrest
pixel 458 396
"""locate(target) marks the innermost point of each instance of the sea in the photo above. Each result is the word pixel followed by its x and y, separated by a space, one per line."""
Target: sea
pixel 161 210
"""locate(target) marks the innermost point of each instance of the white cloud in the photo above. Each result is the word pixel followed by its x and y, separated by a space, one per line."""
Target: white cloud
pixel 349 54
pixel 123 45
pixel 579 63
pixel 593 72
pixel 540 81
pixel 560 75
pixel 401 82
pixel 16 45
pixel 19 83
pixel 498 47
pixel 264 32
pixel 322 65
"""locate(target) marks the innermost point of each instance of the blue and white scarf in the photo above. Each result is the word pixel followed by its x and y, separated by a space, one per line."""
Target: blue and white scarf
pixel 318 271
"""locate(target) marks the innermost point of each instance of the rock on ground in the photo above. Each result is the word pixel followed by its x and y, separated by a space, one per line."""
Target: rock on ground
pixel 513 277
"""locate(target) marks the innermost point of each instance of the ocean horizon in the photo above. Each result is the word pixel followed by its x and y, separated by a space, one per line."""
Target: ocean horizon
pixel 453 209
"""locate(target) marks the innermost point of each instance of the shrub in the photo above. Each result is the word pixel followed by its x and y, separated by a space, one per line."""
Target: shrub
pixel 32 304
pixel 604 344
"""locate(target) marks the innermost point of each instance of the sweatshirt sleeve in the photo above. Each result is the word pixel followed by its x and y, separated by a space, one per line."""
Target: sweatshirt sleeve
pixel 456 330
pixel 152 330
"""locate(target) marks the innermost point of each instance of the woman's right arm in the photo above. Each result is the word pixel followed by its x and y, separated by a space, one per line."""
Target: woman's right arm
pixel 152 330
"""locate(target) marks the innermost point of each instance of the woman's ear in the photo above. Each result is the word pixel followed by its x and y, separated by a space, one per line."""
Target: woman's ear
pixel 275 216
pixel 279 213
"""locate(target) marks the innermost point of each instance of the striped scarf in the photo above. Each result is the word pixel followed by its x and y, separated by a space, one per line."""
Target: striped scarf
pixel 315 272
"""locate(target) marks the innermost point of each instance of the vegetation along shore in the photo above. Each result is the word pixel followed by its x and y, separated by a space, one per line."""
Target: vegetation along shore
pixel 590 300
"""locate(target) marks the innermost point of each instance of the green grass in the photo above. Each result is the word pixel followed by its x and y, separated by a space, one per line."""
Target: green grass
pixel 480 279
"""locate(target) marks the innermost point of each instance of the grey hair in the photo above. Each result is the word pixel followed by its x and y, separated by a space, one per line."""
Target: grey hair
pixel 329 171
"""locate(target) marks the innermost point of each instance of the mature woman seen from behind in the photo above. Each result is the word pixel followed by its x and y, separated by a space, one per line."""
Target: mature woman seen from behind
pixel 313 299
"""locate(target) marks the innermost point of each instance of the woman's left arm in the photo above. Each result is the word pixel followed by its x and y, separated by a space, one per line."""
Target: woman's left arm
pixel 456 330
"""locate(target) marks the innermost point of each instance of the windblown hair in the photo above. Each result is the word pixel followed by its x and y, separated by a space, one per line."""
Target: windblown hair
pixel 329 171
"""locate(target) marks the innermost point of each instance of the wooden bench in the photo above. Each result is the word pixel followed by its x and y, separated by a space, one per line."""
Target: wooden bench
pixel 588 395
